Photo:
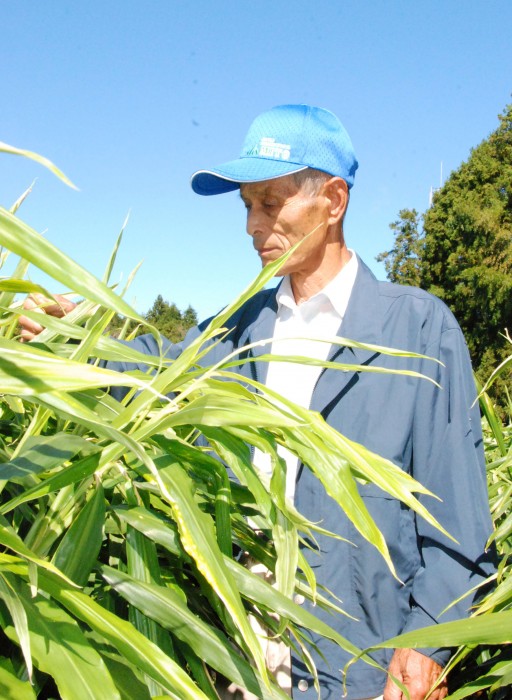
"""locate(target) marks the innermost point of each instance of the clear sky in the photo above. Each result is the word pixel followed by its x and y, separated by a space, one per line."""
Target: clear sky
pixel 129 98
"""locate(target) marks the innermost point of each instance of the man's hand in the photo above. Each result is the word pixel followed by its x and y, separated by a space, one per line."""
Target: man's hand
pixel 59 306
pixel 418 673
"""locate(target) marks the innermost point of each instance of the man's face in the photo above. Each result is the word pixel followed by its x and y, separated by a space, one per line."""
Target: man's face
pixel 279 214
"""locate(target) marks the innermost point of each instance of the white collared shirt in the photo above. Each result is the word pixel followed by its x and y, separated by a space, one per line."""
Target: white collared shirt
pixel 297 332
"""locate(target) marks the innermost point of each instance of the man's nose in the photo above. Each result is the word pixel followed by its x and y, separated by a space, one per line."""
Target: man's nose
pixel 254 223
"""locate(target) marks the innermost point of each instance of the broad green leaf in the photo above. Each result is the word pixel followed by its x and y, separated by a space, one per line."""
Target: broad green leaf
pixel 494 678
pixel 492 629
pixel 256 589
pixel 10 539
pixel 30 245
pixel 333 471
pixel 21 287
pixel 127 683
pixel 126 639
pixel 12 687
pixel 198 538
pixel 212 472
pixel 143 565
pixel 328 453
pixel 287 548
pixel 81 407
pixel 155 528
pixel 15 607
pixel 60 648
pixel 27 371
pixel 224 410
pixel 163 533
pixel 236 455
pixel 43 453
pixel 208 643
pixel 80 546
pixel 76 472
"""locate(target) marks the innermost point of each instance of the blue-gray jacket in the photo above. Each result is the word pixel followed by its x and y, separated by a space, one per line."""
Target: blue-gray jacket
pixel 432 433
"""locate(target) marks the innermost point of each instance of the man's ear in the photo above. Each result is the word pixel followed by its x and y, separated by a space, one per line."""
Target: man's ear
pixel 336 191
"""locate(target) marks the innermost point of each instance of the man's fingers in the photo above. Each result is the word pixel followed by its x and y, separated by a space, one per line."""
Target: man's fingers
pixel 59 306
pixel 29 329
pixel 36 301
pixel 440 692
pixel 26 336
pixel 417 672
pixel 392 692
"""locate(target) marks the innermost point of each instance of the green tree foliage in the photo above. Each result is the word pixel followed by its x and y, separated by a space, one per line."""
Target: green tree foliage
pixel 463 254
pixel 402 262
pixel 467 260
pixel 167 318
pixel 170 321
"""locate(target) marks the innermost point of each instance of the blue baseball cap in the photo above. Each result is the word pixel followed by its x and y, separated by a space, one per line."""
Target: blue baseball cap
pixel 284 140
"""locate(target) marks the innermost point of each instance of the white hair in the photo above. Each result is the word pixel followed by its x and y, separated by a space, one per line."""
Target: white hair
pixel 310 180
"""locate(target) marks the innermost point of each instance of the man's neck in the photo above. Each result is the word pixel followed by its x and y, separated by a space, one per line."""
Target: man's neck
pixel 306 285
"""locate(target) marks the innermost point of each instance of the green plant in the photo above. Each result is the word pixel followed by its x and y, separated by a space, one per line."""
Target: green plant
pixel 117 524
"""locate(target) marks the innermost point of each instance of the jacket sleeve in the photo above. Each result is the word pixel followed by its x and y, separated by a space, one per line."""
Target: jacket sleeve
pixel 147 345
pixel 448 458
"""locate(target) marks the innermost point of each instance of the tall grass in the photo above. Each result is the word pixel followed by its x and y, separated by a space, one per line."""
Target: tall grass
pixel 118 527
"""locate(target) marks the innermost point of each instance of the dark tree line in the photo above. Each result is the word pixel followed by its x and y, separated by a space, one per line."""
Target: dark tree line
pixel 170 321
pixel 460 249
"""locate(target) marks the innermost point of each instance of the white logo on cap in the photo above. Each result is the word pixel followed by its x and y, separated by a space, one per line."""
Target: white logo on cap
pixel 270 149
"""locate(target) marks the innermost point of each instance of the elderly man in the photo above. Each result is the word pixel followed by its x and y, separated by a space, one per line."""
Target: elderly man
pixel 294 175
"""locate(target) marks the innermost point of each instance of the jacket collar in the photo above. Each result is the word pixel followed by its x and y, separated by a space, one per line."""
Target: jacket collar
pixel 362 322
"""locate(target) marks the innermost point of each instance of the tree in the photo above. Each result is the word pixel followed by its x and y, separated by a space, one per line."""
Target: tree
pixel 467 260
pixel 464 253
pixel 402 262
pixel 189 317
pixel 169 320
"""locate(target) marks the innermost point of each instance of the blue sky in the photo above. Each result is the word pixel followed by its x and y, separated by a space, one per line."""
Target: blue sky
pixel 129 98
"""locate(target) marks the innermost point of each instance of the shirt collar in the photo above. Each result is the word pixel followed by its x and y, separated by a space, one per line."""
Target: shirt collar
pixel 337 291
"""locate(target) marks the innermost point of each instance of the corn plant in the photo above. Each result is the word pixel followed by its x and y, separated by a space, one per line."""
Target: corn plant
pixel 119 523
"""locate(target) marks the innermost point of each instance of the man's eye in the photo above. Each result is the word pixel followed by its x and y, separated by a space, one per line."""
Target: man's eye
pixel 269 204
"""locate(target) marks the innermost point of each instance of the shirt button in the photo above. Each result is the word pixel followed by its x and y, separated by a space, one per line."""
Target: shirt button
pixel 299 599
pixel 303 685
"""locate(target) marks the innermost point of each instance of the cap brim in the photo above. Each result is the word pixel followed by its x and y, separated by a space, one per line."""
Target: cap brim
pixel 229 176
